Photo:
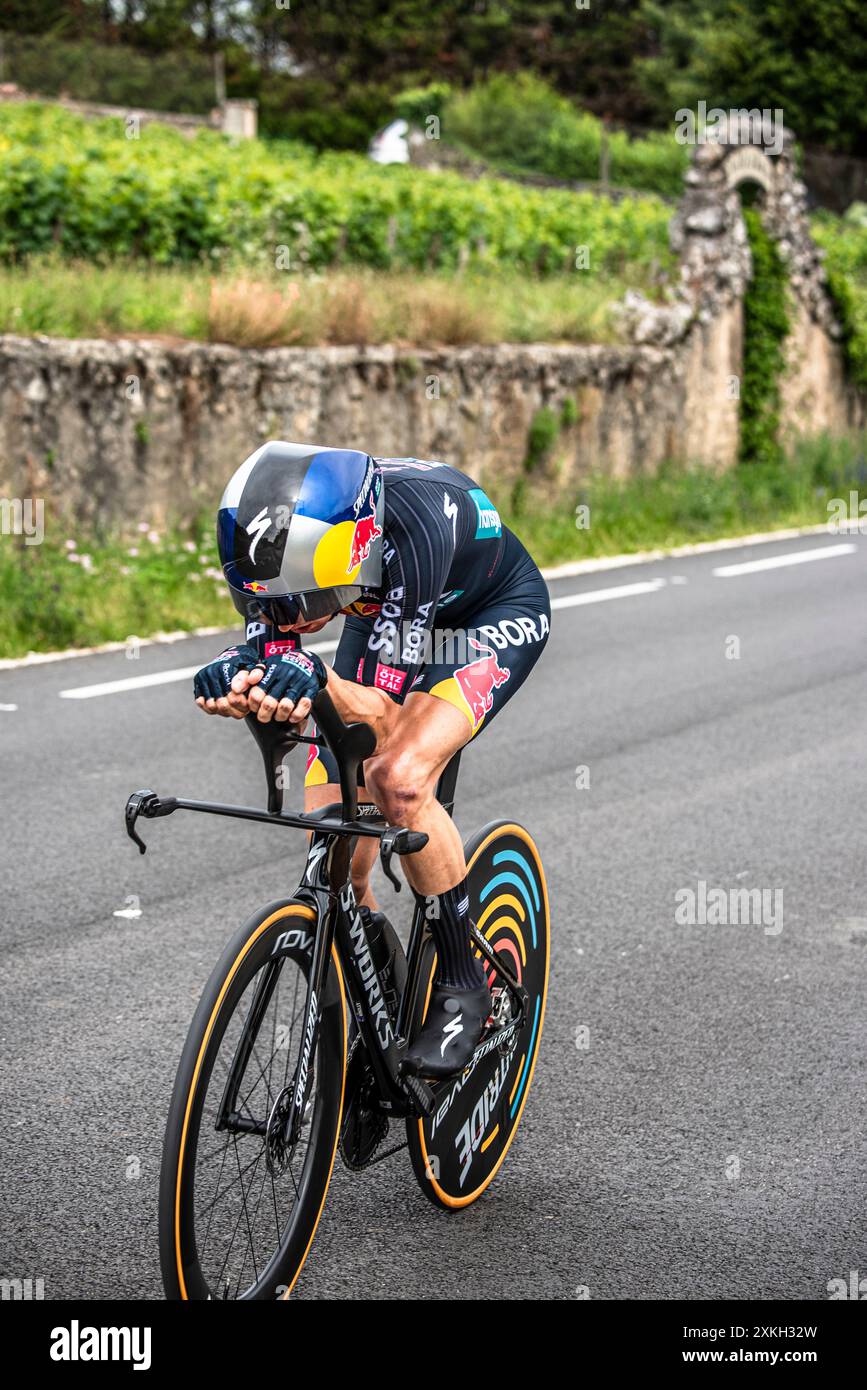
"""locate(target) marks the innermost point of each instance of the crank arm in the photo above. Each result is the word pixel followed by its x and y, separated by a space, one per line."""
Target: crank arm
pixel 518 993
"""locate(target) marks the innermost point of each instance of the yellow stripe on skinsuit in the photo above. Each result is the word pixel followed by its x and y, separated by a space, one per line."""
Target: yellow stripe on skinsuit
pixel 316 775
pixel 450 690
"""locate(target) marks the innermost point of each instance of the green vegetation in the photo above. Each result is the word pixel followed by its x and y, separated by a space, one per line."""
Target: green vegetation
pixel 268 308
pixel 805 57
pixel 323 73
pixel 844 241
pixel 327 73
pixel 521 123
pixel 766 326
pixel 686 505
pixel 82 188
pixel 83 591
pixel 111 74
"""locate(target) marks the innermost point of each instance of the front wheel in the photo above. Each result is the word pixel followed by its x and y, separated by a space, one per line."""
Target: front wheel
pixel 238 1207
pixel 457 1150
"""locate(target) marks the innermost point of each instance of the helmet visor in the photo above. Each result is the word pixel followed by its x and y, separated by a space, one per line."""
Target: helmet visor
pixel 308 608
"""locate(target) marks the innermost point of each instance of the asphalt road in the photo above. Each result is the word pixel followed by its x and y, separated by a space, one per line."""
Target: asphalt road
pixel 707 1141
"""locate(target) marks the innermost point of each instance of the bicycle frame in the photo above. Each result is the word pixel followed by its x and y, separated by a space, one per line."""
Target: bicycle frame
pixel 326 886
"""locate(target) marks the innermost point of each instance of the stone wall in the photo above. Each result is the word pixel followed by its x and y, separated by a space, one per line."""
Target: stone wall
pixel 131 430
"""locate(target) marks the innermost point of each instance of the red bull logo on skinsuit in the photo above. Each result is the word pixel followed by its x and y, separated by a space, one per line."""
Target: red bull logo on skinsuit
pixel 366 532
pixel 478 681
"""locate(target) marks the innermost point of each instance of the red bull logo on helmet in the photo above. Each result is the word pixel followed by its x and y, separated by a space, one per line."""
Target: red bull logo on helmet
pixel 365 533
pixel 478 680
pixel 255 587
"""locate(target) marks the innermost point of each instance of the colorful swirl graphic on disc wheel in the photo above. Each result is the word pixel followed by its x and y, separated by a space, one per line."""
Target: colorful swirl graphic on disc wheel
pixel 457 1150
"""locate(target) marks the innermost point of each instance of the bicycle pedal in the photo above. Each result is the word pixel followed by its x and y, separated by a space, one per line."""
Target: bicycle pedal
pixel 420 1094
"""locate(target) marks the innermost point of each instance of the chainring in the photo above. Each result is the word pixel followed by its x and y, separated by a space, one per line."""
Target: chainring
pixel 364 1124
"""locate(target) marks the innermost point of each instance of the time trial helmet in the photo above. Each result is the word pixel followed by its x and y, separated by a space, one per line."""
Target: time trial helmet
pixel 300 531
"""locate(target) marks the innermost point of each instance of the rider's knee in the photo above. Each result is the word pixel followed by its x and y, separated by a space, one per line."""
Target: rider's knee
pixel 360 879
pixel 400 784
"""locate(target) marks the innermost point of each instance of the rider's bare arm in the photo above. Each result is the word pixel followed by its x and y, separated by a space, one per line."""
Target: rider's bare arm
pixel 363 703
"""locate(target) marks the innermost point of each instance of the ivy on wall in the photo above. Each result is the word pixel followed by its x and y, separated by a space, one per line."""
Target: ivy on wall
pixel 766 326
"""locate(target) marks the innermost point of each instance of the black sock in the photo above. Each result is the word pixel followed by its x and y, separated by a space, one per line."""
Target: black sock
pixel 448 916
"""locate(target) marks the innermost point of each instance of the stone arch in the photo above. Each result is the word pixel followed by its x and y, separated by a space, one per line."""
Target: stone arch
pixel 715 266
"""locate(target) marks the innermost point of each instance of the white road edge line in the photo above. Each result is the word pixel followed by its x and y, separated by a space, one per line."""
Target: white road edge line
pixel 775 562
pixel 647 586
pixel 183 673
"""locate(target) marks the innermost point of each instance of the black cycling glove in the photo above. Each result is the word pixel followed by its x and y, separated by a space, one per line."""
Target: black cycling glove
pixel 215 679
pixel 293 676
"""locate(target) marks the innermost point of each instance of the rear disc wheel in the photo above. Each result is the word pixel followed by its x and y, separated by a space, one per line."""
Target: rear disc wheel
pixel 457 1150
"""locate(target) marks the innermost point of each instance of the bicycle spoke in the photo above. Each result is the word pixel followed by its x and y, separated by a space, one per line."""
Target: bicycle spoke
pixel 244 1209
pixel 232 1242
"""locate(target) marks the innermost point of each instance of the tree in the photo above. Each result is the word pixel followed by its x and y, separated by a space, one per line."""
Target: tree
pixel 806 57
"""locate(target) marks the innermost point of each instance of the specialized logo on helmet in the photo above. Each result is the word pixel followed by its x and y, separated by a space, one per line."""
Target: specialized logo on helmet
pixel 366 530
pixel 257 528
pixel 365 488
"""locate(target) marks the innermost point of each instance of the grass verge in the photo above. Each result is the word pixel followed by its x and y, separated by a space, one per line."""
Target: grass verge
pixel 681 506
pixel 252 308
pixel 71 591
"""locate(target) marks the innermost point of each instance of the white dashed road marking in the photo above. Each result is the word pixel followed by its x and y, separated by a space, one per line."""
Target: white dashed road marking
pixel 183 673
pixel 648 586
pixel 776 562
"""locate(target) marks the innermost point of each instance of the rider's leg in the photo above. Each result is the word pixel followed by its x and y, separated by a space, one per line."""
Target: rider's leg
pixel 403 780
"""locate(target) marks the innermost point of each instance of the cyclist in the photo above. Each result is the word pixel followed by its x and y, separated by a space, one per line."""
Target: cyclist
pixel 401 547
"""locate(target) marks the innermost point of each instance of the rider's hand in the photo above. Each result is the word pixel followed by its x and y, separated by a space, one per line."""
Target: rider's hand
pixel 219 687
pixel 286 687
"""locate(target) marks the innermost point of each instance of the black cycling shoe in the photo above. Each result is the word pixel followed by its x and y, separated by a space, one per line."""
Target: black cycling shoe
pixel 452 1028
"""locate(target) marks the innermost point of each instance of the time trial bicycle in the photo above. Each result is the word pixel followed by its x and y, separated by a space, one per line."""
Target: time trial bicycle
pixel 294 1053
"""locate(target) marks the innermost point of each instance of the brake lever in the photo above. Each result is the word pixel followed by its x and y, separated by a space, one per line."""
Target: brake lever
pixel 146 803
pixel 396 839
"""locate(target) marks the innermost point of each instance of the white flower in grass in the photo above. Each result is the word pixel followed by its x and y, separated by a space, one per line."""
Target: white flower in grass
pixel 133 550
pixel 154 537
pixel 70 545
pixel 86 563
pixel 190 547
pixel 144 526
